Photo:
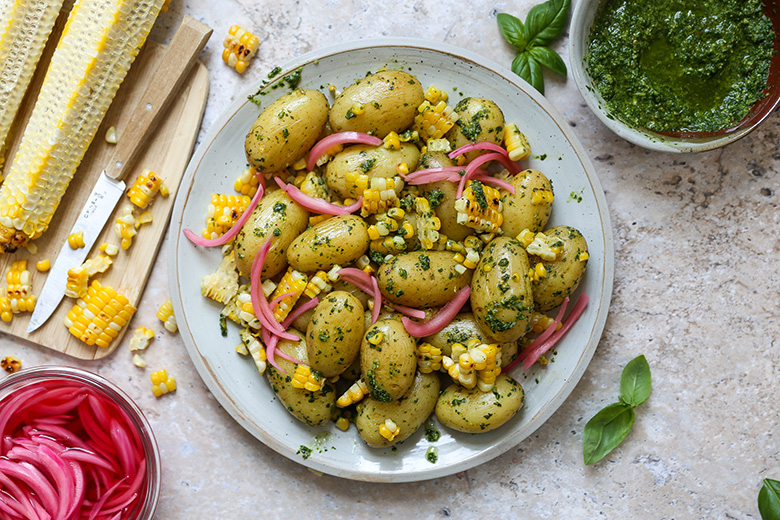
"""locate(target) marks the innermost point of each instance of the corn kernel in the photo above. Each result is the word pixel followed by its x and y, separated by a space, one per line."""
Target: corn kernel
pixel 76 240
pixel 43 265
pixel 389 430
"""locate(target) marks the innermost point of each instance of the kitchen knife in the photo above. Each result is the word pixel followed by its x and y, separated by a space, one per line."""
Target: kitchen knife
pixel 177 61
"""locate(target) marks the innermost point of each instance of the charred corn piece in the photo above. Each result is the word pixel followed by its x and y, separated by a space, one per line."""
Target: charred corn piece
pixel 480 208
pixel 293 282
pixel 428 358
pixel 145 187
pixel 78 277
pixel 19 291
pixel 98 318
pixel 222 285
pixel 141 338
pixel 354 394
pixel 307 379
pixel 240 46
pixel 97 46
pixel 223 212
pixel 162 383
pixel 434 120
pixel 6 314
pixel 389 430
pixel 247 182
pixel 76 240
pixel 255 349
pixel 428 224
pixel 317 285
pixel 165 315
pixel 10 364
pixel 25 26
pixel 516 143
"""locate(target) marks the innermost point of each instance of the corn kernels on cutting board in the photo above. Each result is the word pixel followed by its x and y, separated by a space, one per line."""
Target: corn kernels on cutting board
pixel 167 154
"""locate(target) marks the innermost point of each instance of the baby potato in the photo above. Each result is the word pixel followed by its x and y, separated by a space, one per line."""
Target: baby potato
pixel 474 411
pixel 441 196
pixel 408 413
pixel 338 240
pixel 501 293
pixel 388 367
pixel 461 329
pixel 364 159
pixel 565 273
pixel 276 217
pixel 378 104
pixel 334 333
pixel 286 130
pixel 519 210
pixel 480 120
pixel 421 278
pixel 313 408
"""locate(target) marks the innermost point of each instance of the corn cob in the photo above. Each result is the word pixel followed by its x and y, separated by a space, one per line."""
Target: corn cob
pixel 145 187
pixel 381 196
pixel 480 208
pixel 98 318
pixel 292 282
pixel 240 46
pixel 25 26
pixel 98 44
pixel 223 212
pixel 165 315
pixel 162 383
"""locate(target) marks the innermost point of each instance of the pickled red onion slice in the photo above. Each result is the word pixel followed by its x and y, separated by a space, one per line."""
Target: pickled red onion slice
pixel 315 204
pixel 338 138
pixel 440 320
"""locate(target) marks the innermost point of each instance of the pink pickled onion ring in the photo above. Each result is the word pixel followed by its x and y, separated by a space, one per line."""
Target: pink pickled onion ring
pixel 233 231
pixel 259 301
pixel 482 145
pixel 315 204
pixel 332 140
pixel 270 341
pixel 407 311
pixel 434 174
pixel 487 179
pixel 441 319
pixel 366 283
pixel 377 300
pixel 298 312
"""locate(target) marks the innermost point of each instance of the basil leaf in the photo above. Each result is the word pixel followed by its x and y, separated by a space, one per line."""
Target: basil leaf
pixel 546 21
pixel 549 58
pixel 528 68
pixel 605 431
pixel 512 30
pixel 769 500
pixel 635 382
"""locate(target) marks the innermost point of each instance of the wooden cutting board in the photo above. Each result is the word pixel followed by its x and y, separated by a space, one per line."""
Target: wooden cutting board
pixel 167 154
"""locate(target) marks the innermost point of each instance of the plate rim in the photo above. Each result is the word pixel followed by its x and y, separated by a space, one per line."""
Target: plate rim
pixel 209 378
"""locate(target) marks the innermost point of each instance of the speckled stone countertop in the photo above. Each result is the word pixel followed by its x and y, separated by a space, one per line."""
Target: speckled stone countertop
pixel 696 291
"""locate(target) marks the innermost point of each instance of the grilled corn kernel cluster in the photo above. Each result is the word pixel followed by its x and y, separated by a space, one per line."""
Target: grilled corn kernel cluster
pixel 314 186
pixel 10 364
pixel 223 212
pixel 240 46
pixel 247 183
pixel 252 346
pixel 537 272
pixel 474 365
pixel 433 120
pixel 381 195
pixel 428 224
pixel 146 186
pixel 162 383
pixel 389 430
pixel 389 236
pixel 539 322
pixel 18 294
pixel 222 285
pixel 428 358
pixel 78 277
pixel 126 226
pixel 293 283
pixel 94 53
pixel 99 316
pixel 318 284
pixel 479 208
pixel 165 315
pixel 547 248
pixel 354 394
pixel 307 379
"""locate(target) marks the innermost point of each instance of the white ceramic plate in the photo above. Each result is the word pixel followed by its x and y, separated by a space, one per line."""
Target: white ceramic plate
pixel 234 380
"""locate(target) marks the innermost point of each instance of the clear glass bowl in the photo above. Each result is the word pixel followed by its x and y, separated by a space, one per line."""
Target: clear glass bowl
pixel 144 508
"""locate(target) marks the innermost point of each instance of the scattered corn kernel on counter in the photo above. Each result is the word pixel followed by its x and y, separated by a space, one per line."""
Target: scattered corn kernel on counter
pixel 387 257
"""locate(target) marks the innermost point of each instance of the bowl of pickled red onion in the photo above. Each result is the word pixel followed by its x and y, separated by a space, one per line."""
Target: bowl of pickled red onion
pixel 74 446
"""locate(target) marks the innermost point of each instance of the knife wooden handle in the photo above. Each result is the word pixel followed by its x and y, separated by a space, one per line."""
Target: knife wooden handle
pixel 186 45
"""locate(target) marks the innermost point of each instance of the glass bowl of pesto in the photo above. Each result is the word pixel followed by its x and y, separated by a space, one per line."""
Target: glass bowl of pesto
pixel 677 76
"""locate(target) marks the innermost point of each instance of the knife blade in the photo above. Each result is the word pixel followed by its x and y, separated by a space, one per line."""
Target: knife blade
pixel 178 59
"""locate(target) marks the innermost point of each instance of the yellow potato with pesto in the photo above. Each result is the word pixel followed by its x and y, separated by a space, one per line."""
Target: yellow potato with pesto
pixel 478 120
pixel 364 160
pixel 421 278
pixel 334 333
pixel 286 130
pixel 338 240
pixel 530 206
pixel 565 272
pixel 474 411
pixel 388 360
pixel 461 329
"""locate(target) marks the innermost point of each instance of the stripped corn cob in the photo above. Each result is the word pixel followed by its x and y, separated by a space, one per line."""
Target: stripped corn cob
pixel 354 394
pixel 516 143
pixel 141 338
pixel 24 28
pixel 247 182
pixel 221 285
pixel 165 315
pixel 98 318
pixel 223 212
pixel 293 282
pixel 98 44
pixel 480 208
pixel 306 379
pixel 389 430
pixel 240 47
pixel 145 187
pixel 433 121
pixel 78 277
pixel 162 383
pixel 428 224
pixel 428 358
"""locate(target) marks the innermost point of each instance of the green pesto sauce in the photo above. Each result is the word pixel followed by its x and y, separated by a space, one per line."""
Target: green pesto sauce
pixel 673 65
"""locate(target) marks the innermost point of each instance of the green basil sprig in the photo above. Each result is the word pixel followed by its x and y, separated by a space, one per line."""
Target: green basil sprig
pixel 769 500
pixel 544 23
pixel 610 426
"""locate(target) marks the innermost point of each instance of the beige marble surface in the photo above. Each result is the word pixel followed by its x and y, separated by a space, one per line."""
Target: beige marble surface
pixel 696 291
